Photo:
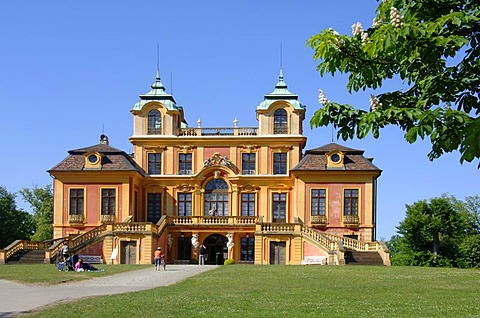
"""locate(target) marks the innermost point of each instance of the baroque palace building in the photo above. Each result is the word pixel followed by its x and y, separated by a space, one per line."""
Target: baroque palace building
pixel 251 194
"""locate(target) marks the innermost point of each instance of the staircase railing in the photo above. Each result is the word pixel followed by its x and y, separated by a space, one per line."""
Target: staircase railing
pixel 19 245
pixel 357 245
pixel 86 237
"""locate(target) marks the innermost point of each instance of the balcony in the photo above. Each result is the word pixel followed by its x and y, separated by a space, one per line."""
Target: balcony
pixel 76 219
pixel 318 220
pixel 212 220
pixel 220 131
pixel 351 221
pixel 107 219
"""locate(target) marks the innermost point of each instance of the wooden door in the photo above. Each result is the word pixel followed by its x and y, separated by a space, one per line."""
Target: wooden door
pixel 128 252
pixel 278 253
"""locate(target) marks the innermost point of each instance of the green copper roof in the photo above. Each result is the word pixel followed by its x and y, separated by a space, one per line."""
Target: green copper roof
pixel 157 93
pixel 281 92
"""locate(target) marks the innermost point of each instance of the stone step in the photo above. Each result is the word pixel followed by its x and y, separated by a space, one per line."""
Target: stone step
pixel 28 257
pixel 363 258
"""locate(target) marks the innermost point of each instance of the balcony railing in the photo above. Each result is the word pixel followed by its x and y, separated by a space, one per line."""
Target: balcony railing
pixel 219 131
pixel 351 221
pixel 107 219
pixel 318 220
pixel 212 220
pixel 76 218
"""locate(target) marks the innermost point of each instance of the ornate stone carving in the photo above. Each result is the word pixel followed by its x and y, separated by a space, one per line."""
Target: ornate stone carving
pixel 218 160
pixel 249 148
pixel 195 241
pixel 248 188
pixel 230 245
pixel 186 187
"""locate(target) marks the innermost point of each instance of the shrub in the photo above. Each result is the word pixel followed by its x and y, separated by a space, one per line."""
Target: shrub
pixel 193 261
pixel 229 261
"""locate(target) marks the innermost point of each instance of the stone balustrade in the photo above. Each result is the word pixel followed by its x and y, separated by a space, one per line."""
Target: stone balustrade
pixel 219 131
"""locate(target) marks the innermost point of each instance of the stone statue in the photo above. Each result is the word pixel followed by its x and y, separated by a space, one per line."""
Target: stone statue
pixel 195 241
pixel 230 245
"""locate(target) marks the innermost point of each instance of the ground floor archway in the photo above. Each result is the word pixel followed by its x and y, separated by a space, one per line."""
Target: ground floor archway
pixel 216 245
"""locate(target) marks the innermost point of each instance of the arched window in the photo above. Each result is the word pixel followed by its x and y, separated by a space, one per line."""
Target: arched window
pixel 154 122
pixel 216 198
pixel 280 122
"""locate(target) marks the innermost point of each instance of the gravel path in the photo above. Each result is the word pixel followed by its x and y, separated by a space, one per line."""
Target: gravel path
pixel 16 298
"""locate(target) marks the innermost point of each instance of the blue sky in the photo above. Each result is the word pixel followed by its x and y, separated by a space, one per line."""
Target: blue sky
pixel 72 69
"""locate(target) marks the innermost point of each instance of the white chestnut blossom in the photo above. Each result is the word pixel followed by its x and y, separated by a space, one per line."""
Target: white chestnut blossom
pixel 364 37
pixel 395 17
pixel 338 41
pixel 322 99
pixel 357 28
pixel 374 103
pixel 376 22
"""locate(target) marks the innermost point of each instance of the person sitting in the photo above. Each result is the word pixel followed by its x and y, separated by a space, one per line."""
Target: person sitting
pixel 79 265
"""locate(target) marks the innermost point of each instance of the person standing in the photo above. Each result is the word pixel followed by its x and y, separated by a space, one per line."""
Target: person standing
pixel 65 251
pixel 202 252
pixel 157 256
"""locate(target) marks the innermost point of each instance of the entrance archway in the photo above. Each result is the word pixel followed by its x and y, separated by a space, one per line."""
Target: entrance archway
pixel 216 245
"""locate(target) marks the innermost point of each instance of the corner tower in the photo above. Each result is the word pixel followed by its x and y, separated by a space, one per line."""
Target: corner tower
pixel 280 113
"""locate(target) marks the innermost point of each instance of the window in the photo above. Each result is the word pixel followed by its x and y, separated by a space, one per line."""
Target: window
pixel 318 202
pixel 184 204
pixel 350 202
pixel 76 202
pixel 279 163
pixel 154 207
pixel 248 204
pixel 154 163
pixel 185 163
pixel 280 122
pixel 247 250
pixel 216 198
pixel 248 163
pixel 279 207
pixel 108 201
pixel 154 122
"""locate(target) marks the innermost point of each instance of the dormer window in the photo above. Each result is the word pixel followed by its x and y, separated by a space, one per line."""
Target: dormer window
pixel 154 122
pixel 335 160
pixel 280 124
pixel 93 160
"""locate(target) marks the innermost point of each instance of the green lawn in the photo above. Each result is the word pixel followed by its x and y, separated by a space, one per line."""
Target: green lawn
pixel 296 291
pixel 48 274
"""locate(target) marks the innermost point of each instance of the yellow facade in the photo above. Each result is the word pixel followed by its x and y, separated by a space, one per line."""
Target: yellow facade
pixel 247 193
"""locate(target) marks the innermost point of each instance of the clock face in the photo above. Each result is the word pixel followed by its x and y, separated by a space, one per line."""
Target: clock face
pixel 92 158
pixel 335 158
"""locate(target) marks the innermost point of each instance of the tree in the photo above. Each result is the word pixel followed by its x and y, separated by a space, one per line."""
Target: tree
pixel 472 206
pixel 41 202
pixel 430 235
pixel 432 47
pixel 14 223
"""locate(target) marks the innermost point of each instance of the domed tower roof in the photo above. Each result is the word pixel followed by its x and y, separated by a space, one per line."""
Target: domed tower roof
pixel 157 93
pixel 281 92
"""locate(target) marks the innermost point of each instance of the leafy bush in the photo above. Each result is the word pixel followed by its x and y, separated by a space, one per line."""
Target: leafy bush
pixel 229 261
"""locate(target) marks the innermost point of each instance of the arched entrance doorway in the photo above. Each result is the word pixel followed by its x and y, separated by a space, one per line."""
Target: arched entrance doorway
pixel 216 245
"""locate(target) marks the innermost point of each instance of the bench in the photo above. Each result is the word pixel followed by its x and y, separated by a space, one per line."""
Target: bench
pixel 314 260
pixel 91 259
pixel 181 262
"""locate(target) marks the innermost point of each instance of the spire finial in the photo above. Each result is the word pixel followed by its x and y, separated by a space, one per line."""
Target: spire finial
pixel 281 57
pixel 158 56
